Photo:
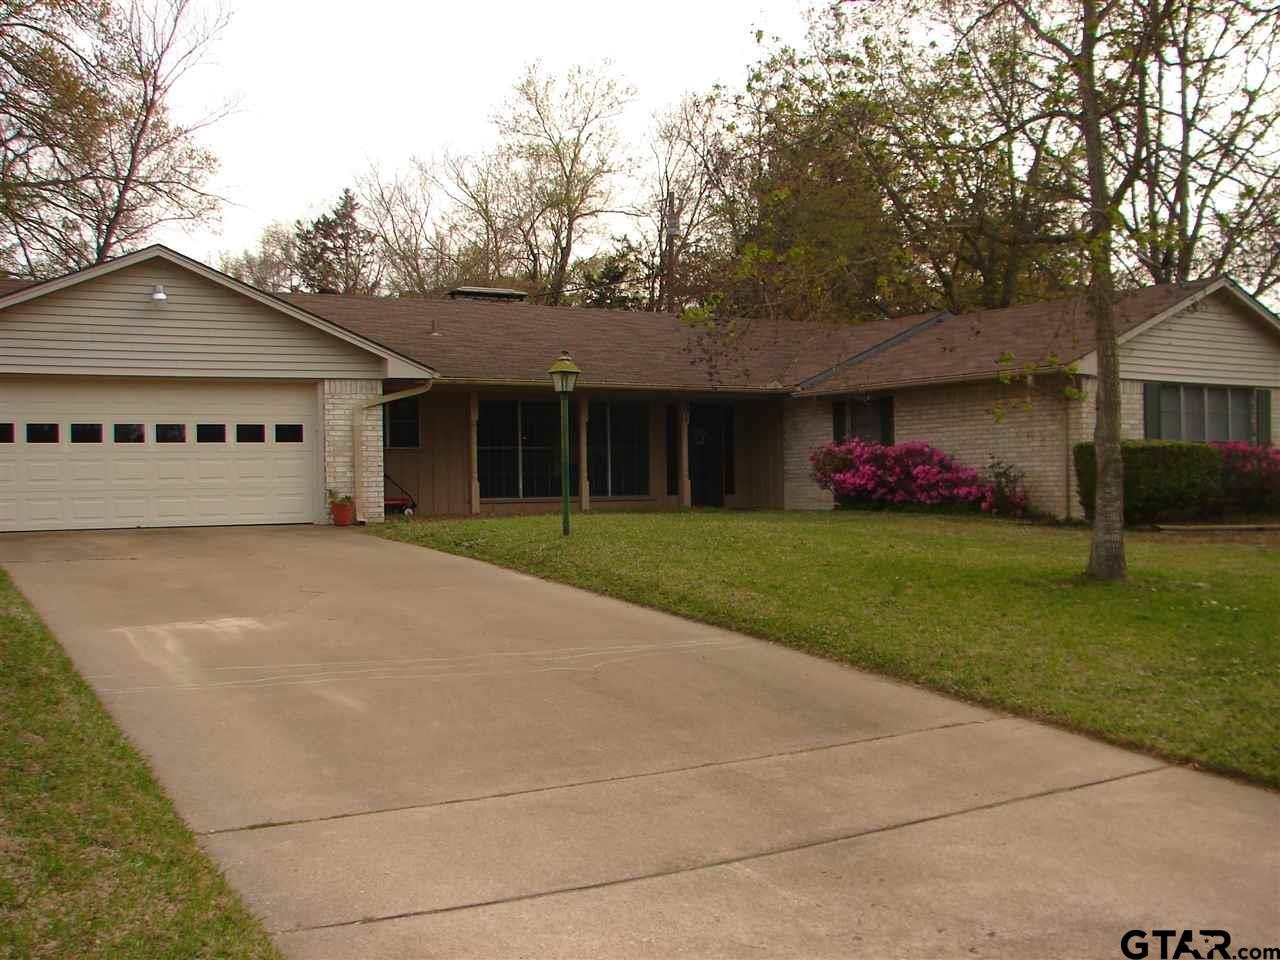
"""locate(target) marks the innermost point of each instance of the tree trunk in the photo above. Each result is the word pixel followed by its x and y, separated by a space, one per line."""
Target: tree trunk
pixel 1106 547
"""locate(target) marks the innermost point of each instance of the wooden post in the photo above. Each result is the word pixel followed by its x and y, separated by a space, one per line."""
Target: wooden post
pixel 686 488
pixel 584 486
pixel 473 456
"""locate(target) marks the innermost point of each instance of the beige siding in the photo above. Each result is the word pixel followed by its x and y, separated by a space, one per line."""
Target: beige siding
pixel 1031 432
pixel 111 326
pixel 1215 341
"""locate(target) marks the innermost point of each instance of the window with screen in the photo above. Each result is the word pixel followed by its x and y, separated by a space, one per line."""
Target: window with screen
pixel 1185 411
pixel 867 418
pixel 518 449
pixel 618 449
pixel 402 425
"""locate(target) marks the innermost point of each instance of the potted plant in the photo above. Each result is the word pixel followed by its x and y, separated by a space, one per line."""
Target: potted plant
pixel 342 509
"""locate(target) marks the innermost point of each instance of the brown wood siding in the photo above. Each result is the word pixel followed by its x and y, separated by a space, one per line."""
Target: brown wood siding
pixel 436 474
pixel 757 461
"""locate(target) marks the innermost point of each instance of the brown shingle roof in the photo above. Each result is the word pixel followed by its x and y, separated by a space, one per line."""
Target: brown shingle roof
pixel 968 346
pixel 512 342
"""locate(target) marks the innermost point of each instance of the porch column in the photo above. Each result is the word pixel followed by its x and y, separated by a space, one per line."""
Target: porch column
pixel 473 458
pixel 686 488
pixel 584 487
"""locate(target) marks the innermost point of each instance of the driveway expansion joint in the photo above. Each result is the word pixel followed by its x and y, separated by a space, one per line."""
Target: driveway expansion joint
pixel 621 778
pixel 725 862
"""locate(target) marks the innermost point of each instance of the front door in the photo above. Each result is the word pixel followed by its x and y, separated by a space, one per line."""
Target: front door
pixel 706 454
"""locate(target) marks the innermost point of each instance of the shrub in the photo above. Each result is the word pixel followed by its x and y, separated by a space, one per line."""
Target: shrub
pixel 904 474
pixel 1163 480
pixel 1250 478
pixel 1007 493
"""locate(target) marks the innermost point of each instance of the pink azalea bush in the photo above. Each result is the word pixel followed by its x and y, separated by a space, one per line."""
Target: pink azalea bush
pixel 1250 477
pixel 859 472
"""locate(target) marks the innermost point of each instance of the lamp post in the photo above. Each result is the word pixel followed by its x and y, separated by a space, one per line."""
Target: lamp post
pixel 564 374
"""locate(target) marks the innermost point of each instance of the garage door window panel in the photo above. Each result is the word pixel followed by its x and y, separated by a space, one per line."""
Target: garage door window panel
pixel 211 433
pixel 288 433
pixel 86 433
pixel 171 433
pixel 129 433
pixel 251 433
pixel 6 433
pixel 42 433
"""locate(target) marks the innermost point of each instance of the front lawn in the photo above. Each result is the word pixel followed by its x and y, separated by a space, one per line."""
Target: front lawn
pixel 1183 660
pixel 94 862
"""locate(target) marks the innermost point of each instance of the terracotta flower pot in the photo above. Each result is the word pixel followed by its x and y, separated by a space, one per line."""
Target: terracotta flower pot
pixel 344 514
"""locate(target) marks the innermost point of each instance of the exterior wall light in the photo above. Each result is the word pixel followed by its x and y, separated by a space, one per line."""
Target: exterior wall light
pixel 158 294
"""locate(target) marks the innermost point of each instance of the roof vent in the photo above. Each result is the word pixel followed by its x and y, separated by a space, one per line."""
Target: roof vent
pixel 498 294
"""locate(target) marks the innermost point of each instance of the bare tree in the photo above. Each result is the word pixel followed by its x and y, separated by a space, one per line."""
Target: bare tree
pixel 413 249
pixel 562 132
pixel 1207 197
pixel 89 197
pixel 272 267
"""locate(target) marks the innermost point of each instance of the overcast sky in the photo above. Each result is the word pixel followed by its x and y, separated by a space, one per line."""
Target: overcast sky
pixel 326 87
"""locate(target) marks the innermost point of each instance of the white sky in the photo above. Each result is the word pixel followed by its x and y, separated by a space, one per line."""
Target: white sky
pixel 325 87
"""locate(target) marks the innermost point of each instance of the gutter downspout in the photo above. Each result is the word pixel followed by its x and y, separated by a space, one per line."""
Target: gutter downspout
pixel 357 436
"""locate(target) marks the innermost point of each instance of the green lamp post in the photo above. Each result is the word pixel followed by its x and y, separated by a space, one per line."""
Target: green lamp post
pixel 564 374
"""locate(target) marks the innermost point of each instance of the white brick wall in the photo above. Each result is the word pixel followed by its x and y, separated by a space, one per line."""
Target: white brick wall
pixel 805 424
pixel 341 398
pixel 1031 432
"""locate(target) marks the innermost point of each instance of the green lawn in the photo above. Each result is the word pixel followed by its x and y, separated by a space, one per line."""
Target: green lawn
pixel 93 860
pixel 1183 660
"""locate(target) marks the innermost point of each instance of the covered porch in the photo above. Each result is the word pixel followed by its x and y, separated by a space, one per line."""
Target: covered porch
pixel 457 450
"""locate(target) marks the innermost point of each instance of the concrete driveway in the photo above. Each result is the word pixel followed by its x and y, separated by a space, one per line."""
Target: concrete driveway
pixel 396 753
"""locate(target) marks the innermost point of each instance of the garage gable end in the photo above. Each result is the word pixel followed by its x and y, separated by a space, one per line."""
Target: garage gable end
pixel 155 314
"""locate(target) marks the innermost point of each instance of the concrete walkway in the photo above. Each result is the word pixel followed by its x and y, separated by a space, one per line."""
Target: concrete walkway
pixel 396 753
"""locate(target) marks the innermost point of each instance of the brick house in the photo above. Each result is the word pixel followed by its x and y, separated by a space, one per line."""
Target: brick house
pixel 155 391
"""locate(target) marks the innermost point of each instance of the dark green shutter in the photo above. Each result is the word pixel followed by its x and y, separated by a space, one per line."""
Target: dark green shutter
pixel 886 420
pixel 837 421
pixel 1151 411
pixel 1264 417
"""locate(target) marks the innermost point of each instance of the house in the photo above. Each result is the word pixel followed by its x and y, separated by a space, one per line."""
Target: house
pixel 155 391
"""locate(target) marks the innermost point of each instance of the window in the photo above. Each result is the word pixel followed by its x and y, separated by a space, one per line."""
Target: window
pixel 288 433
pixel 211 433
pixel 129 433
pixel 86 433
pixel 251 433
pixel 1185 411
pixel 518 448
pixel 42 433
pixel 171 433
pixel 618 449
pixel 867 418
pixel 6 433
pixel 401 422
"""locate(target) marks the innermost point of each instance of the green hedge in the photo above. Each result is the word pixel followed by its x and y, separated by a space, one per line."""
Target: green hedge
pixel 1164 480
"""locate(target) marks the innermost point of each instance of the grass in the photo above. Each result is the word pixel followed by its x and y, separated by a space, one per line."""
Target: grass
pixel 1183 660
pixel 94 862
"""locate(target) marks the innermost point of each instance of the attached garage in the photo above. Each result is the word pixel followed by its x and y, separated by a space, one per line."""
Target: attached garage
pixel 83 453
pixel 154 392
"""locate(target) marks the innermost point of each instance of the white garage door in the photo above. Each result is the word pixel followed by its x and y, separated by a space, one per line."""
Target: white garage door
pixel 86 453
